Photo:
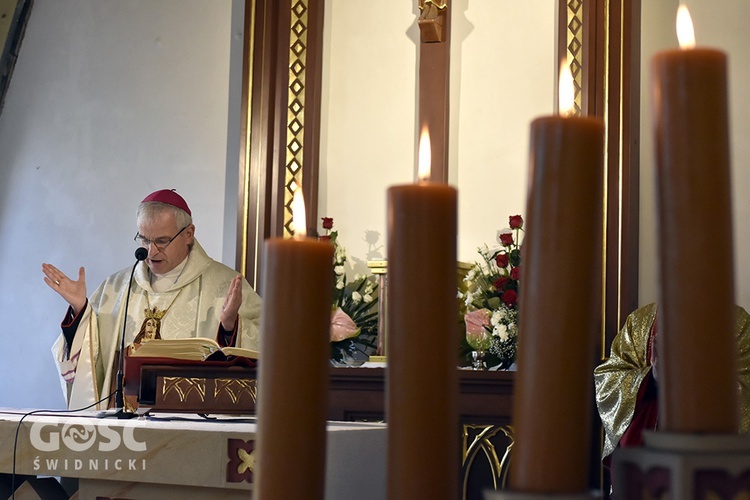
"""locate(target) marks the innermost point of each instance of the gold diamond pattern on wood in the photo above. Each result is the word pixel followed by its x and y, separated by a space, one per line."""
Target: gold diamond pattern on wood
pixel 295 109
pixel 574 46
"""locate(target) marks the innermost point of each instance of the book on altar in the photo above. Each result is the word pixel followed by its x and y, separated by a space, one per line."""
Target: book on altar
pixel 193 349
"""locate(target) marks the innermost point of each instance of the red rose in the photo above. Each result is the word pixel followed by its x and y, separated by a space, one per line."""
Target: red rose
pixel 516 221
pixel 327 222
pixel 325 237
pixel 500 282
pixel 501 259
pixel 510 297
pixel 515 273
pixel 506 239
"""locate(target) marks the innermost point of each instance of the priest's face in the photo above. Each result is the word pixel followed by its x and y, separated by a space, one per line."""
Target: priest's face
pixel 168 244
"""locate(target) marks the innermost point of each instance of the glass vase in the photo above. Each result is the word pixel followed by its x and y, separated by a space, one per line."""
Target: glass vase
pixel 480 343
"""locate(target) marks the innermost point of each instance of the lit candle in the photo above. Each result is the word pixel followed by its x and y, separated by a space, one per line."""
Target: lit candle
pixel 560 303
pixel 696 312
pixel 423 335
pixel 293 366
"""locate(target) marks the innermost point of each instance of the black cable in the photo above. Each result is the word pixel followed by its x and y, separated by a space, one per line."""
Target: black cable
pixel 18 429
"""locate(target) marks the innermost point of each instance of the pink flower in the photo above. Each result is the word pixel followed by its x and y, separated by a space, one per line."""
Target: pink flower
pixel 477 323
pixel 342 326
pixel 477 320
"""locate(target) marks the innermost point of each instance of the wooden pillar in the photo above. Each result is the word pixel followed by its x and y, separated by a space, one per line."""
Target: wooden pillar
pixel 282 76
pixel 434 81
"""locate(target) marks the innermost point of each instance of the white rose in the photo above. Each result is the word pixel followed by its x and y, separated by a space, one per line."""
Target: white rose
pixel 498 316
pixel 501 331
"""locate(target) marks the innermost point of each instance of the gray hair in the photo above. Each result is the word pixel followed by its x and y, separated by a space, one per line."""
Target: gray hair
pixel 149 210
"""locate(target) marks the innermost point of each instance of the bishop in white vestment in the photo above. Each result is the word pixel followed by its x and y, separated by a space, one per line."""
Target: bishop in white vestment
pixel 178 291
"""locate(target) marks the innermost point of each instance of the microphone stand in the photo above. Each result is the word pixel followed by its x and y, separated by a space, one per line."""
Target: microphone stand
pixel 140 254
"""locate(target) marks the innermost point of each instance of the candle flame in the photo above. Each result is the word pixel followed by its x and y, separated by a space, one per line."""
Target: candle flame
pixel 685 31
pixel 425 156
pixel 299 224
pixel 566 89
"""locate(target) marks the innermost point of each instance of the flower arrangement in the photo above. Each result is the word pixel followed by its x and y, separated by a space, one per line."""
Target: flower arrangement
pixel 354 317
pixel 491 297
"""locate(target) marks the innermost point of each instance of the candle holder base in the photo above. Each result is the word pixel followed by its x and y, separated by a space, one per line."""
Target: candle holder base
pixel 519 495
pixel 676 465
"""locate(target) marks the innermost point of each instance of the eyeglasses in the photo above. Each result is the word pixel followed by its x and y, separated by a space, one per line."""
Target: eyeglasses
pixel 160 243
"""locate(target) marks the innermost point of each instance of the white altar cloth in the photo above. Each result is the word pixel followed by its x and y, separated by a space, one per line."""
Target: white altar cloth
pixel 176 456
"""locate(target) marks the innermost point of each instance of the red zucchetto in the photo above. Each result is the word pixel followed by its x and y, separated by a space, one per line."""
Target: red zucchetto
pixel 170 197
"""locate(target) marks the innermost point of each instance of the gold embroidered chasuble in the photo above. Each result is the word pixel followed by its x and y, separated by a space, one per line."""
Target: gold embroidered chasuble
pixel 618 379
pixel 194 305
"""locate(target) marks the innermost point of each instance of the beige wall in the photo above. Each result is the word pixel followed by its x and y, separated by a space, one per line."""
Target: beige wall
pixel 501 79
pixel 723 25
pixel 502 76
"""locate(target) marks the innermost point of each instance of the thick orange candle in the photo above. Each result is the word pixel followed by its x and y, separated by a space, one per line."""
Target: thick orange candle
pixel 423 335
pixel 560 307
pixel 696 302
pixel 293 369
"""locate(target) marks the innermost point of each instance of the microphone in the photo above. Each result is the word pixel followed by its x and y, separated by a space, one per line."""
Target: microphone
pixel 140 254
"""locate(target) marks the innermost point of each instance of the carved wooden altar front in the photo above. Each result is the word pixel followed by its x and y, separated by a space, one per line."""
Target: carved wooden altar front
pixel 485 400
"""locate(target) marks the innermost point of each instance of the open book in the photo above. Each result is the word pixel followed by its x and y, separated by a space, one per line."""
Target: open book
pixel 195 348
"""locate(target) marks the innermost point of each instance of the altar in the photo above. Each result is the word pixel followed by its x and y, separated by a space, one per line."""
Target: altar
pixel 175 456
pixel 358 395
